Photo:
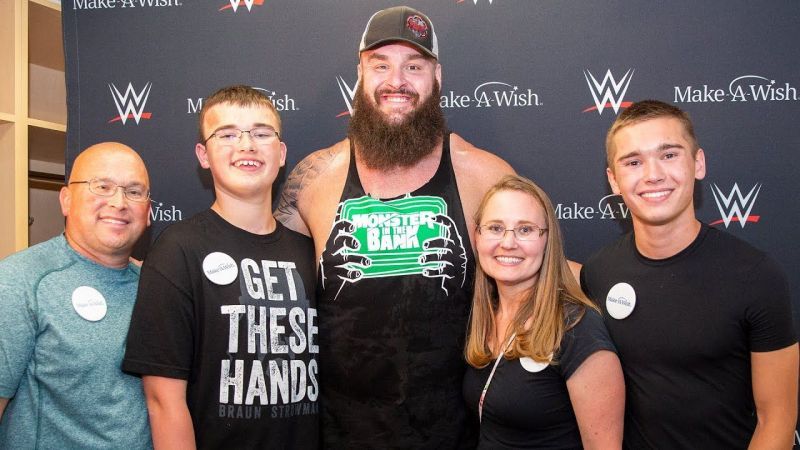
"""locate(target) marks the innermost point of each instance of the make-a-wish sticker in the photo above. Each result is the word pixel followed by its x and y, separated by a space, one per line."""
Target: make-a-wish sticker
pixel 620 301
pixel 220 268
pixel 89 303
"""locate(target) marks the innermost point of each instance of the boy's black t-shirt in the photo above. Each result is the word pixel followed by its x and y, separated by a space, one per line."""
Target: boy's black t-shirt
pixel 234 314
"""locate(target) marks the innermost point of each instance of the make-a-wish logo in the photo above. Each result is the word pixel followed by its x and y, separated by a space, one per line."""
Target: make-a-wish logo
pixel 236 4
pixel 753 88
pixel 486 95
pixel 609 207
pixel 348 94
pixel 130 104
pixel 491 94
pixel 281 102
pixel 608 93
pixel 735 207
pixel 164 213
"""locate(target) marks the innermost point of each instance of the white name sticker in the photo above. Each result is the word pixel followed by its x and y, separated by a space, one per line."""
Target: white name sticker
pixel 532 366
pixel 620 301
pixel 89 303
pixel 220 268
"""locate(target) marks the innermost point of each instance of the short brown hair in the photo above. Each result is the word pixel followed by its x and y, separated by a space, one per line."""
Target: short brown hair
pixel 239 95
pixel 646 110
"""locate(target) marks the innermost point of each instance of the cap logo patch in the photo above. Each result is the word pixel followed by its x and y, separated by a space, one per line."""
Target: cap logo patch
pixel 417 26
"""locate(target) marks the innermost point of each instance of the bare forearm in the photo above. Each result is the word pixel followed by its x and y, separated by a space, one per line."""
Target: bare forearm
pixel 171 427
pixel 775 433
pixel 170 421
pixel 3 403
pixel 774 377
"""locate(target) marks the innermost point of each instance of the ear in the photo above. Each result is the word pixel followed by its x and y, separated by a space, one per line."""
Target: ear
pixel 359 72
pixel 612 181
pixel 149 208
pixel 202 155
pixel 283 154
pixel 699 164
pixel 65 199
pixel 438 73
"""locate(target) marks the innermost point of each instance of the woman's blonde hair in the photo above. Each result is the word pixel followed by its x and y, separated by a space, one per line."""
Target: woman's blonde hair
pixel 541 321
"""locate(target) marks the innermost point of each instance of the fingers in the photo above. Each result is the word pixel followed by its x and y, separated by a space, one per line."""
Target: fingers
pixel 346 260
pixel 439 245
pixel 442 270
pixel 447 223
pixel 349 275
pixel 344 242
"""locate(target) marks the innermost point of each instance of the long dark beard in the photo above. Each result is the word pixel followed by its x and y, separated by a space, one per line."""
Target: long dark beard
pixel 383 145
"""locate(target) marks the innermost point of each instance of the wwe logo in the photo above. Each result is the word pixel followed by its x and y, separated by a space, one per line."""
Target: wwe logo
pixel 733 204
pixel 130 105
pixel 235 4
pixel 348 94
pixel 608 93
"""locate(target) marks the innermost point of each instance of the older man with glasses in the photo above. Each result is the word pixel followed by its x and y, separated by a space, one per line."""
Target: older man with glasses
pixel 65 307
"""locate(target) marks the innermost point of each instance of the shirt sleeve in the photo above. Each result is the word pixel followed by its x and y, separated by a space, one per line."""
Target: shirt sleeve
pixel 769 311
pixel 581 341
pixel 585 283
pixel 17 337
pixel 161 336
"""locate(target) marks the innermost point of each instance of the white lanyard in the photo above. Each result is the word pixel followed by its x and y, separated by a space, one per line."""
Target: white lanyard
pixel 491 374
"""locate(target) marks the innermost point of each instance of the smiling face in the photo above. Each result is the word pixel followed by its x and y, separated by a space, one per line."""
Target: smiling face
pixel 654 169
pixel 241 170
pixel 396 78
pixel 105 229
pixel 513 264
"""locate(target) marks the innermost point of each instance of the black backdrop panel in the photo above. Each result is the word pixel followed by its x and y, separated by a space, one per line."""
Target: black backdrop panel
pixel 537 82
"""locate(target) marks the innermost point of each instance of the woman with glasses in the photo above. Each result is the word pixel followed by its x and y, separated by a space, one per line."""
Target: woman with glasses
pixel 544 372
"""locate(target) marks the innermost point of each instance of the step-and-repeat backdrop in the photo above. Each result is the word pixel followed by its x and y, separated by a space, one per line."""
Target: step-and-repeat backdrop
pixel 536 82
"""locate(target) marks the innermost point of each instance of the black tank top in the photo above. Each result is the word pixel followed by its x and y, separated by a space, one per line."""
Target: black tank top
pixel 392 340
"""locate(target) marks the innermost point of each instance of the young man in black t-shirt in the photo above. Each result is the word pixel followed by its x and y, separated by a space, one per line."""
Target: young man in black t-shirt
pixel 224 331
pixel 701 320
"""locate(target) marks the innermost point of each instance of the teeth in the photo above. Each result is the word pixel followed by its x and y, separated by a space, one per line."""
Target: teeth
pixel 396 99
pixel 247 162
pixel 114 221
pixel 509 259
pixel 655 194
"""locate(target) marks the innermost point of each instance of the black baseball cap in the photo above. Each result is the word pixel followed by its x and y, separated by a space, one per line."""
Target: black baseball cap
pixel 400 23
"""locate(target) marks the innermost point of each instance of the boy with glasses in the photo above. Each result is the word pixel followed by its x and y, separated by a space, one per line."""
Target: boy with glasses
pixel 225 332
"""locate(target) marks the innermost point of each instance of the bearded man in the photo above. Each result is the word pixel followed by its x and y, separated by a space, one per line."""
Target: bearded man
pixel 390 210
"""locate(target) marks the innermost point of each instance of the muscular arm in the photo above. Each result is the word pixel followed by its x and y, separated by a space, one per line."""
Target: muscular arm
pixel 290 211
pixel 476 171
pixel 3 403
pixel 597 393
pixel 170 421
pixel 775 393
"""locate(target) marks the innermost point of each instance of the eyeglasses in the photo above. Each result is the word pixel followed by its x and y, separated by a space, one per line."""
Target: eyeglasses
pixel 231 136
pixel 105 188
pixel 496 232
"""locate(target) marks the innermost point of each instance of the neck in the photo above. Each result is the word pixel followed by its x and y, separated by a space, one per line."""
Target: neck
pixel 116 260
pixel 510 299
pixel 664 241
pixel 252 216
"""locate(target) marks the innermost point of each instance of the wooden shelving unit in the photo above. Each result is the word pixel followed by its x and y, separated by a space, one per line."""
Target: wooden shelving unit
pixel 32 106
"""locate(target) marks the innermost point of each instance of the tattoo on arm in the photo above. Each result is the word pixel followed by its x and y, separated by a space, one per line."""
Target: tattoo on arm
pixel 301 176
